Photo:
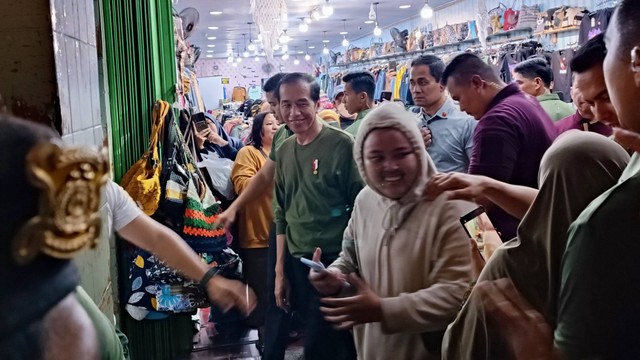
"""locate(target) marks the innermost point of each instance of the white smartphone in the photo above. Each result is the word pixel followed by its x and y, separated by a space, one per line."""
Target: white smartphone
pixel 317 266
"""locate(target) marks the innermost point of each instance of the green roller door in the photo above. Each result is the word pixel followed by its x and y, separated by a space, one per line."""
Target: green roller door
pixel 140 60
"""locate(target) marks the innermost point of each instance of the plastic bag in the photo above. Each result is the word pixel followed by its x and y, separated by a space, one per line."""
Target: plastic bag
pixel 220 173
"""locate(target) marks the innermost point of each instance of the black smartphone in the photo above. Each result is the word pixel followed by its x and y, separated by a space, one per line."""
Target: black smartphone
pixel 385 95
pixel 200 121
pixel 393 65
pixel 476 223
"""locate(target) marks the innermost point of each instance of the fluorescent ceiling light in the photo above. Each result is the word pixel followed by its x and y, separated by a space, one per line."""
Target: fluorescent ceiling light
pixel 216 13
pixel 300 52
pixel 211 45
pixel 344 32
pixel 325 41
pixel 404 6
pixel 209 56
pixel 213 28
pixel 209 51
pixel 211 37
pixel 312 47
pixel 369 22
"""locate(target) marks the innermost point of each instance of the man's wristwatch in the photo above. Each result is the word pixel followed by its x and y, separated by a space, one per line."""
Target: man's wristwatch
pixel 207 276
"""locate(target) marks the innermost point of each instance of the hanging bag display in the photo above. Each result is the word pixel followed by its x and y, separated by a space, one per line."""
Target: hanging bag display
pixel 510 18
pixel 528 18
pixel 496 17
pixel 142 180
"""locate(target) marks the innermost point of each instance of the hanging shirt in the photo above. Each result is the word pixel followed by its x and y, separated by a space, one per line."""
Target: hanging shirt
pixel 451 137
pixel 398 82
pixel 594 24
pixel 239 94
pixel 562 72
pixel 255 93
pixel 380 82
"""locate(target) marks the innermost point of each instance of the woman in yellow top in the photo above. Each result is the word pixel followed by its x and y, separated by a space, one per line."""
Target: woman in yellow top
pixel 256 218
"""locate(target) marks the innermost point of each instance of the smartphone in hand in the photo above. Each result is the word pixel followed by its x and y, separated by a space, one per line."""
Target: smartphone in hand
pixel 477 225
pixel 317 266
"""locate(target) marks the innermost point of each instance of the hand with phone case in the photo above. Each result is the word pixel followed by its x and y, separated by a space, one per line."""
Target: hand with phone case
pixel 325 281
pixel 480 229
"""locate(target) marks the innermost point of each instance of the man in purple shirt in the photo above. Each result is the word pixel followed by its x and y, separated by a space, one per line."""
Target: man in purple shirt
pixel 513 131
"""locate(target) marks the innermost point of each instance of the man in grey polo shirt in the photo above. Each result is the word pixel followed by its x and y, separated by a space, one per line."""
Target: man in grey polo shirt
pixel 447 131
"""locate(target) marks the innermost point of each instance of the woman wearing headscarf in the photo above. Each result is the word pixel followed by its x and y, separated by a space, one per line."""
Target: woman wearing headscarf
pixel 577 168
pixel 410 255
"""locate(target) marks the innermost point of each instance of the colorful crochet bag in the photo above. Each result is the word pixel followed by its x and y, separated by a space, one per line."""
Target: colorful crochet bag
pixel 201 212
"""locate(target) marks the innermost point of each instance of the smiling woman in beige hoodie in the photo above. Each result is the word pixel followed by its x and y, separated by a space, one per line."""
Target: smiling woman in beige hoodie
pixel 410 256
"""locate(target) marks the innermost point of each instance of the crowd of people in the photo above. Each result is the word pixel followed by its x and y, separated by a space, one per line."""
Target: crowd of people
pixel 377 207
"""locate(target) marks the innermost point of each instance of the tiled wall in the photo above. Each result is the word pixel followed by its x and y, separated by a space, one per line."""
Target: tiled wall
pixel 76 63
pixel 49 74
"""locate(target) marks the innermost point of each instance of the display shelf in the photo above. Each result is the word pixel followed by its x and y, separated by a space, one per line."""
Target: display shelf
pixel 557 31
pixel 500 36
pixel 459 46
pixel 494 39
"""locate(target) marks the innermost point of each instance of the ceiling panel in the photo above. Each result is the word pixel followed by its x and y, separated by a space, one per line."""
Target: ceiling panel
pixel 232 23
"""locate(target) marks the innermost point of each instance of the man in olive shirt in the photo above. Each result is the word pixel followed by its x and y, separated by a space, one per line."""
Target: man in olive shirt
pixel 599 307
pixel 535 77
pixel 359 88
pixel 317 182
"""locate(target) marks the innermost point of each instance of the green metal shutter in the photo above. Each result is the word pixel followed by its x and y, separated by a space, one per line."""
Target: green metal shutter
pixel 141 68
pixel 140 59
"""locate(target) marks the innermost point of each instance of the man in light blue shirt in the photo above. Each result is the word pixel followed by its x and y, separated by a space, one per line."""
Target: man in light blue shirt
pixel 447 131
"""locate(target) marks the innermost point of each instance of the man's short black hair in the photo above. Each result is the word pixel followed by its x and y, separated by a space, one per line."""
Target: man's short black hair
pixel 295 77
pixel 591 54
pixel 535 68
pixel 628 25
pixel 272 83
pixel 464 66
pixel 361 82
pixel 435 64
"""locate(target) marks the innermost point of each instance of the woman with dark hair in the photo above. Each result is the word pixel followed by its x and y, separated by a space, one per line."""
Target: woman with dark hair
pixel 255 219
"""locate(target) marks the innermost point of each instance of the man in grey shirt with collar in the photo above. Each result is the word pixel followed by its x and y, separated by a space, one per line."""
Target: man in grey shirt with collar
pixel 447 131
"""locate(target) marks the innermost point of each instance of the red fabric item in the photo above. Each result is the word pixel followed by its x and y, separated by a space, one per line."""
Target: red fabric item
pixel 510 19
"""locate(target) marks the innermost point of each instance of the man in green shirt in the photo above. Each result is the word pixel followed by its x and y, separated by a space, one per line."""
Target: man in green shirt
pixel 598 307
pixel 317 182
pixel 534 76
pixel 359 89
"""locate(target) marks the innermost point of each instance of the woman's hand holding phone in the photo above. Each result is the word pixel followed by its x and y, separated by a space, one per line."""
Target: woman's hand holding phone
pixel 327 282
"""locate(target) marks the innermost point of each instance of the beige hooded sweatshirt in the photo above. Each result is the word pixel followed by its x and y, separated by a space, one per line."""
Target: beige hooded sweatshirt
pixel 413 253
